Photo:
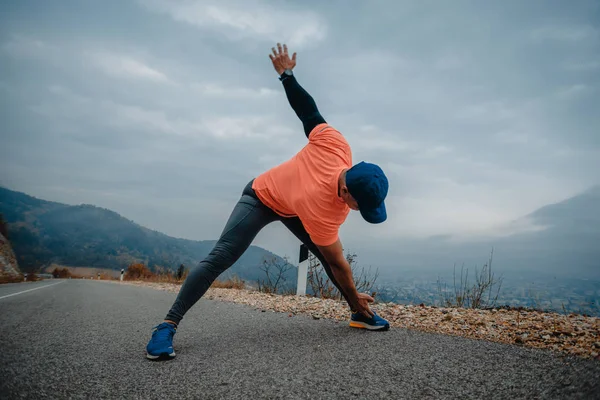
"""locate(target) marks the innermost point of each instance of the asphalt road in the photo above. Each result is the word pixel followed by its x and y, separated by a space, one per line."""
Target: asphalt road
pixel 86 339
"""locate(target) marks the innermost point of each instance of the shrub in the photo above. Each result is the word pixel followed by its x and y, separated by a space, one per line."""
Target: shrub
pixel 61 273
pixel 9 278
pixel 137 271
pixel 32 277
pixel 466 296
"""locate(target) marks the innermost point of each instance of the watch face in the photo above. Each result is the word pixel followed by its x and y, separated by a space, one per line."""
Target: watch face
pixel 288 72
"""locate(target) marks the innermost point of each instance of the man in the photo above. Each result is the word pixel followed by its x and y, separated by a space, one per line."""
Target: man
pixel 311 194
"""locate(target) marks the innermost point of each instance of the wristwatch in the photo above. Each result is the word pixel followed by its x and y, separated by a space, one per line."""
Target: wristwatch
pixel 286 74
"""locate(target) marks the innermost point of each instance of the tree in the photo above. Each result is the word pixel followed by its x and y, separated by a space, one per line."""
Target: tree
pixel 180 272
pixel 321 285
pixel 275 271
pixel 3 227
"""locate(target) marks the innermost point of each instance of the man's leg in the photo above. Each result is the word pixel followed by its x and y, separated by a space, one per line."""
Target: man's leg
pixel 297 228
pixel 248 217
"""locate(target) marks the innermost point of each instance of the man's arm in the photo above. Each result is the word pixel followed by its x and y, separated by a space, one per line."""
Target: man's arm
pixel 301 102
pixel 334 255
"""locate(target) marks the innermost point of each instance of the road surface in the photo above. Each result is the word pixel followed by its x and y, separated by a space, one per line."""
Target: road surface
pixel 86 339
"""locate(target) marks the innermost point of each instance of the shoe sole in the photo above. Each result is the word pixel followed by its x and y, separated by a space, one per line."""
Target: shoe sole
pixel 162 356
pixel 362 325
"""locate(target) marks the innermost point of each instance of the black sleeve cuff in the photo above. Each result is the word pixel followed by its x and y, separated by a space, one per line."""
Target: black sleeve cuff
pixel 285 76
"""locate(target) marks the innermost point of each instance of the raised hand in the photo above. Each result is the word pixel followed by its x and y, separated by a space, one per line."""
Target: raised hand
pixel 281 59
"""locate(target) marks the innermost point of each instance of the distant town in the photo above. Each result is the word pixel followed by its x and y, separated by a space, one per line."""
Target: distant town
pixel 547 293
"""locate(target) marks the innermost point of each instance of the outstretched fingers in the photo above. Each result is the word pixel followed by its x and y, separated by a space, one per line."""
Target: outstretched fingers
pixel 280 58
pixel 285 51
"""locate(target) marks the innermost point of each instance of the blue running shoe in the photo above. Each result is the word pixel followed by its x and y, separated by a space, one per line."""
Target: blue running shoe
pixel 374 324
pixel 160 345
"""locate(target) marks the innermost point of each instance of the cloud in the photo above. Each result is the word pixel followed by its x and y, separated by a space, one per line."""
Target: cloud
pixel 471 128
pixel 28 47
pixel 583 65
pixel 247 19
pixel 124 66
pixel 72 106
pixel 437 197
pixel 565 33
pixel 573 91
pixel 255 127
pixel 234 92
pixel 490 111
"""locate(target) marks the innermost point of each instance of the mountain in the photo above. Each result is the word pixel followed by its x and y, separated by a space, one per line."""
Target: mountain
pixel 44 232
pixel 567 241
pixel 561 239
pixel 577 215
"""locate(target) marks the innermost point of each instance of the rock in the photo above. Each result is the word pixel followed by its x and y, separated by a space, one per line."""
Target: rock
pixel 546 337
pixel 8 262
pixel 448 317
pixel 494 311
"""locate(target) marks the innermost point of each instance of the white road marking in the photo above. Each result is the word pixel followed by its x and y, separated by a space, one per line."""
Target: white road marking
pixel 29 290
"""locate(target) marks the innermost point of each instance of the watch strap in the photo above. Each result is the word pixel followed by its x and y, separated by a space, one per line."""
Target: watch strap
pixel 286 74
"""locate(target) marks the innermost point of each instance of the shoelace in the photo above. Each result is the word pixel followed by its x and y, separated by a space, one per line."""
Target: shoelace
pixel 163 333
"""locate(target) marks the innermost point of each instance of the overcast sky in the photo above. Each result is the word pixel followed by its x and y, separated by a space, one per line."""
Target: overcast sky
pixel 479 112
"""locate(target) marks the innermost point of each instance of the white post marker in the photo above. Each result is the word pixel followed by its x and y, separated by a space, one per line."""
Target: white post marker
pixel 122 272
pixel 302 271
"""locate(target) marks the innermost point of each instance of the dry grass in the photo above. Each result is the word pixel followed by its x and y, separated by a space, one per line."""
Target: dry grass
pixel 134 273
pixel 85 272
pixel 6 278
pixel 233 283
pixel 141 273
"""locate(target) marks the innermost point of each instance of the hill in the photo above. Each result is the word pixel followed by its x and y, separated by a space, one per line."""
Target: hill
pixel 566 241
pixel 560 239
pixel 44 232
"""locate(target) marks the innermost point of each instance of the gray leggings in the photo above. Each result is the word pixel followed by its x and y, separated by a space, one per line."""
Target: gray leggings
pixel 248 217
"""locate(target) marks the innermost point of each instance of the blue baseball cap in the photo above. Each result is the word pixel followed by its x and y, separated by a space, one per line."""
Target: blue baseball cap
pixel 369 186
